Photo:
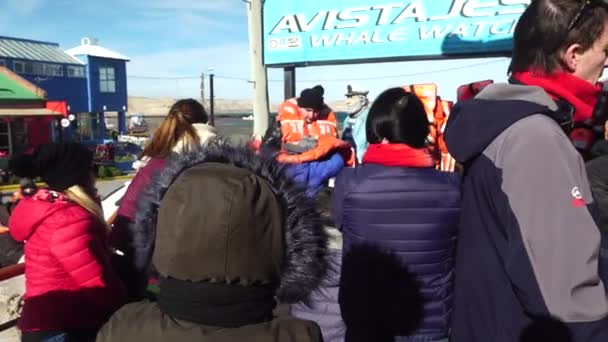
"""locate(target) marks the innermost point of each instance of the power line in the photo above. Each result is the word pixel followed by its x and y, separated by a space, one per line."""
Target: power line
pixel 183 77
pixel 326 80
pixel 232 78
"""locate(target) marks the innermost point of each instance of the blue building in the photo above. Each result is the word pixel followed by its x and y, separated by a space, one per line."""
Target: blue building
pixel 106 81
pixel 89 78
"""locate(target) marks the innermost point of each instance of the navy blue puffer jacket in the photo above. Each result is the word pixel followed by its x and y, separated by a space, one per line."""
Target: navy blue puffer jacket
pixel 399 227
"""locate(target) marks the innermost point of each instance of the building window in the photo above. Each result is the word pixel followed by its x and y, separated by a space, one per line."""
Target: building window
pixel 107 80
pixel 19 67
pixel 53 70
pixel 28 68
pixel 19 138
pixel 5 140
pixel 88 127
pixel 13 136
pixel 75 71
pixel 37 69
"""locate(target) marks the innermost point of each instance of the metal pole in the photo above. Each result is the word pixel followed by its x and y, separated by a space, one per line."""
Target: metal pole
pixel 211 101
pixel 261 110
pixel 289 79
pixel 202 87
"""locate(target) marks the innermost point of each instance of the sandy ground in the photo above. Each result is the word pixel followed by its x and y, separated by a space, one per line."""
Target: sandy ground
pixel 10 293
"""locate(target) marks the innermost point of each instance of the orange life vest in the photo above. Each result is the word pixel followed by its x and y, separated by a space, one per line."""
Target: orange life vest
pixel 468 91
pixel 324 129
pixel 294 127
pixel 437 111
pixel 447 162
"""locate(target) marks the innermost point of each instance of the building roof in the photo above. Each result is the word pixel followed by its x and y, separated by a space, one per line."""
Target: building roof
pixel 34 50
pixel 14 87
pixel 90 47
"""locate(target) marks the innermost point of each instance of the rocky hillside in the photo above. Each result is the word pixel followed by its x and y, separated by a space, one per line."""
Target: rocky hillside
pixel 160 106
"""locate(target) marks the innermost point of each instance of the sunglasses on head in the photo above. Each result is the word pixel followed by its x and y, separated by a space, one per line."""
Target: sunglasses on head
pixel 587 4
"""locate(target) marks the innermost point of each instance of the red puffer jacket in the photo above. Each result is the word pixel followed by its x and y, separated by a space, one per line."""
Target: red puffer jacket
pixel 69 280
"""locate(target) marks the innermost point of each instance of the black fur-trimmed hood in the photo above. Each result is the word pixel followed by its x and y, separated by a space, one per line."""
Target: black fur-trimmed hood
pixel 304 262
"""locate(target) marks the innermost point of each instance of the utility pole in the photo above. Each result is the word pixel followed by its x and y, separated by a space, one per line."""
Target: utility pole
pixel 289 82
pixel 261 110
pixel 211 99
pixel 203 88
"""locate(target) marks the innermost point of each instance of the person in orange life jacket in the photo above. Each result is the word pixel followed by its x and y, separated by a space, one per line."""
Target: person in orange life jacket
pixel 528 241
pixel 309 140
pixel 306 117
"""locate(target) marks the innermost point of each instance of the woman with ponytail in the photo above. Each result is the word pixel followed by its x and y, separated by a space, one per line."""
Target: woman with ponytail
pixel 184 129
pixel 71 288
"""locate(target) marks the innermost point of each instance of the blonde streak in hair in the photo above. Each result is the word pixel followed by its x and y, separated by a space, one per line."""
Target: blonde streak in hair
pixel 189 135
pixel 166 132
pixel 171 133
pixel 164 137
pixel 192 139
pixel 77 195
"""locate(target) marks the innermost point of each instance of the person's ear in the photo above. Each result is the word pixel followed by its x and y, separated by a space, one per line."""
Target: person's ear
pixel 570 57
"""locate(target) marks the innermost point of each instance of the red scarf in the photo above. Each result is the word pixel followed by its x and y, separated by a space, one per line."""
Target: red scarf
pixel 560 85
pixel 398 155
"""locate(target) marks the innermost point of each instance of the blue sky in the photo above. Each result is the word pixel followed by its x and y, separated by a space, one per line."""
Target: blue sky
pixel 182 38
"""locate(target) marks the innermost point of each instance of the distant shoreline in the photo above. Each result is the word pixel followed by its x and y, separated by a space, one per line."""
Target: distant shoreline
pixel 152 107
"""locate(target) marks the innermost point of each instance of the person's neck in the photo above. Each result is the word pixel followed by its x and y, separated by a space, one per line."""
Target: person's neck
pixel 357 113
pixel 561 85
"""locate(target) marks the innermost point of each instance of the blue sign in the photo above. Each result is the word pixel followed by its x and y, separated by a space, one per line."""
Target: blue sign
pixel 301 32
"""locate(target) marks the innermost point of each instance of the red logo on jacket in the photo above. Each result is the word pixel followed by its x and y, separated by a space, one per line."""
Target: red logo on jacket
pixel 578 200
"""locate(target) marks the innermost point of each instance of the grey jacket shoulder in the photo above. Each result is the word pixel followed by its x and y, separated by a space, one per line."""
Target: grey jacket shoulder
pixel 545 183
pixel 505 91
pixel 534 130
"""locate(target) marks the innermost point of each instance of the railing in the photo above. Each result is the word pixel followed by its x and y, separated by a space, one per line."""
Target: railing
pixel 12 271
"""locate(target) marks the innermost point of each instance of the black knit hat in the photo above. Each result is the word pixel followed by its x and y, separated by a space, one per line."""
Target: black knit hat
pixel 60 165
pixel 310 98
pixel 319 88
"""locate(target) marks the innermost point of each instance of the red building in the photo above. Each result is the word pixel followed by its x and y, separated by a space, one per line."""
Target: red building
pixel 27 119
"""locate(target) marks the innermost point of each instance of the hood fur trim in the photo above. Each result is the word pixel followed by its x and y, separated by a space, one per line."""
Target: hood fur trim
pixel 306 241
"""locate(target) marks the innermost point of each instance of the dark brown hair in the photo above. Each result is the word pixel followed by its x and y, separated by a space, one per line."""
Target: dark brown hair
pixel 399 117
pixel 177 125
pixel 542 33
